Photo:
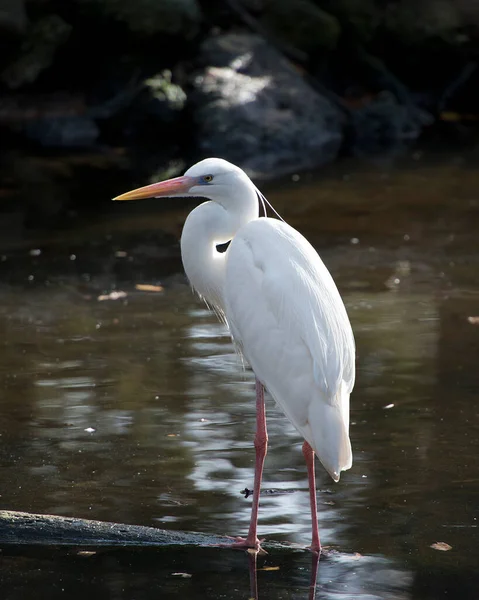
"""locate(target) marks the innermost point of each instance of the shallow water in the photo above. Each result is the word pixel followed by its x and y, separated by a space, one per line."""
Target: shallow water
pixel 137 410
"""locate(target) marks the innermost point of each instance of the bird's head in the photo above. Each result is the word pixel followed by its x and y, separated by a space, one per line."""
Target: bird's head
pixel 212 178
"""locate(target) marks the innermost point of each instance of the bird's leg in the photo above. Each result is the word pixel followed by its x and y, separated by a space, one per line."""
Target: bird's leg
pixel 261 447
pixel 308 454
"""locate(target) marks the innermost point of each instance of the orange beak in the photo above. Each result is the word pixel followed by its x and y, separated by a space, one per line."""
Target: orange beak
pixel 171 187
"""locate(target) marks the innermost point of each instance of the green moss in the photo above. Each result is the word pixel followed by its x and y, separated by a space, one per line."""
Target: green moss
pixel 163 88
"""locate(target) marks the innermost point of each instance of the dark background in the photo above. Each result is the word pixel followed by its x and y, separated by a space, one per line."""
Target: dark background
pixel 100 95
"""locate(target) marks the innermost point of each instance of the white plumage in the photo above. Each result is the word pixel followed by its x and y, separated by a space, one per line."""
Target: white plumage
pixel 286 314
pixel 282 307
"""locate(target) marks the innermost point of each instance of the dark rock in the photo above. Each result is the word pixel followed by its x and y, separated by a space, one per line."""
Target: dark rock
pixel 407 21
pixel 360 18
pixel 56 120
pixel 415 22
pixel 13 18
pixel 300 24
pixel 384 125
pixel 254 108
pixel 63 132
pixel 37 51
pixel 148 17
pixel 155 111
pixel 17 109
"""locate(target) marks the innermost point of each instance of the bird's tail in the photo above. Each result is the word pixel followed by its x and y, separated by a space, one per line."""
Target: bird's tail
pixel 330 434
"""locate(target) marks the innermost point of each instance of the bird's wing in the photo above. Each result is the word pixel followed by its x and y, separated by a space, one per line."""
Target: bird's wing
pixel 285 312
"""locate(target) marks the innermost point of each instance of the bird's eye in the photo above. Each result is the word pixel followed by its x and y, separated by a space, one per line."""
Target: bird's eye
pixel 207 178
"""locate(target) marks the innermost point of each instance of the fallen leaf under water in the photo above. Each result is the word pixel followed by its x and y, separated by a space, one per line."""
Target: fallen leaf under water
pixel 112 296
pixel 441 546
pixel 146 287
pixel 357 556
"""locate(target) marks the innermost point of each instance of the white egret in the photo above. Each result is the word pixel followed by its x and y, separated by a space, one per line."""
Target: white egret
pixel 283 310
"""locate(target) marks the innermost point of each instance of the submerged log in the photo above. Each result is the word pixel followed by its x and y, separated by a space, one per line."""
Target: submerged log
pixel 20 528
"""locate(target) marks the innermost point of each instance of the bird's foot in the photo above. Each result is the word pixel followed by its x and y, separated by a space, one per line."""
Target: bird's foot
pixel 315 549
pixel 241 543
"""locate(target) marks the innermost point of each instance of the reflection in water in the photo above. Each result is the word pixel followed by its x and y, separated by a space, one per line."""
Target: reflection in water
pixel 139 411
pixel 200 573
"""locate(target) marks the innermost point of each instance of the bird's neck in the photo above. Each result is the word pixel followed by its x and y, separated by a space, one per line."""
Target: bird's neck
pixel 206 227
